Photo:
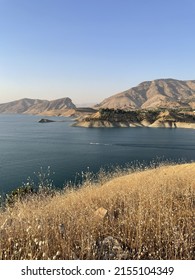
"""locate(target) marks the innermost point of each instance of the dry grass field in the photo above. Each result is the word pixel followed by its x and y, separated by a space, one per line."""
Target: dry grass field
pixel 143 215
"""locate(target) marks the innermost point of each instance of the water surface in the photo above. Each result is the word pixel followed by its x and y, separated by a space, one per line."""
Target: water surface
pixel 26 145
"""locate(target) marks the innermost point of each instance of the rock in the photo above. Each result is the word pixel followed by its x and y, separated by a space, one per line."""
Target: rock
pixel 45 121
pixel 100 213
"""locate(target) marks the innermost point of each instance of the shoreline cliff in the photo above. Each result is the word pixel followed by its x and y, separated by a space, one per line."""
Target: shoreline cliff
pixel 138 118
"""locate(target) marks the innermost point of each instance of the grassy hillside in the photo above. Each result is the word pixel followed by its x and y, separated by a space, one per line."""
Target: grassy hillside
pixel 142 215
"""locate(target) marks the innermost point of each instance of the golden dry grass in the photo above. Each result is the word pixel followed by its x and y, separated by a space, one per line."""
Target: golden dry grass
pixel 148 215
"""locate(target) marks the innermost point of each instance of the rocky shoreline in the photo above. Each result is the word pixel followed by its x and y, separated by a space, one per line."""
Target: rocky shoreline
pixel 140 118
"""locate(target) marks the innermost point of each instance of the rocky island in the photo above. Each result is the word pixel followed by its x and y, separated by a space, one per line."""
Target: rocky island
pixel 45 121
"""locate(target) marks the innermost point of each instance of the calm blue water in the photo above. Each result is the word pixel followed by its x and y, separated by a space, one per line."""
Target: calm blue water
pixel 26 145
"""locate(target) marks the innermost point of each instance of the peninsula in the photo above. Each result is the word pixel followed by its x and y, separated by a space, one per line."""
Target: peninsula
pixel 171 118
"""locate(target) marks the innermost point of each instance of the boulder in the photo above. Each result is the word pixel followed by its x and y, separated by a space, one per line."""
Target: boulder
pixel 45 121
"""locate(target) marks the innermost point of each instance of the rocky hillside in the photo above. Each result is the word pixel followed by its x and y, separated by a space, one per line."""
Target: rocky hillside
pixel 167 93
pixel 36 106
pixel 138 118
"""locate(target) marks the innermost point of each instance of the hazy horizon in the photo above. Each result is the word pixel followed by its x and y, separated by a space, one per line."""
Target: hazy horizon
pixel 90 50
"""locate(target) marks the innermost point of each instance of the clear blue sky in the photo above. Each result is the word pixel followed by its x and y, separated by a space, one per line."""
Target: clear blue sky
pixel 91 49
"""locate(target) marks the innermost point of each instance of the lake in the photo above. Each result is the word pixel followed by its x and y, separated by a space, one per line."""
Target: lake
pixel 26 146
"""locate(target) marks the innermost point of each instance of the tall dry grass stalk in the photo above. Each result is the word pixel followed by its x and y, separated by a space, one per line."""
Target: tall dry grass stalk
pixel 146 215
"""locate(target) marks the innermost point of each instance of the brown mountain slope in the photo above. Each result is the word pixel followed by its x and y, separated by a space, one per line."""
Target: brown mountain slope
pixel 36 106
pixel 152 94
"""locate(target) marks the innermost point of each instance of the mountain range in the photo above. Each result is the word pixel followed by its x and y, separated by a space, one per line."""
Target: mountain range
pixel 37 106
pixel 161 93
pixel 167 93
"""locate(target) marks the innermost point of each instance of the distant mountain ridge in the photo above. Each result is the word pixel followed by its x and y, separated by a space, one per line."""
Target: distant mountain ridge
pixel 160 93
pixel 168 93
pixel 37 106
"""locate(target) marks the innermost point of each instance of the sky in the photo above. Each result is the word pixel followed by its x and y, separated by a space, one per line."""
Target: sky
pixel 91 49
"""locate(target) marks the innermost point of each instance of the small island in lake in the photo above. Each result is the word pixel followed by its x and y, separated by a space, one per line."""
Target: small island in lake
pixel 45 121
